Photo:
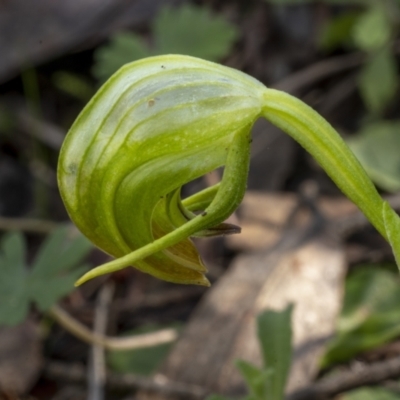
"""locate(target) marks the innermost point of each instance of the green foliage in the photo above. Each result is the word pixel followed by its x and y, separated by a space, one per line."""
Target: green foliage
pixel 372 30
pixel 338 31
pixel 370 394
pixel 378 80
pixel 193 31
pixel 75 85
pixel 185 30
pixel 275 336
pixel 122 49
pixel 377 144
pixel 139 361
pixel 369 29
pixel 377 147
pixel 259 381
pixel 14 298
pixel 370 315
pixel 50 277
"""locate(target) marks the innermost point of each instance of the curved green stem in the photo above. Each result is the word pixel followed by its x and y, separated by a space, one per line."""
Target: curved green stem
pixel 318 137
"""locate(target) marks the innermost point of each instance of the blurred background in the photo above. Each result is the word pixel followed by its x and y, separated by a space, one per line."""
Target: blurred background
pixel 301 241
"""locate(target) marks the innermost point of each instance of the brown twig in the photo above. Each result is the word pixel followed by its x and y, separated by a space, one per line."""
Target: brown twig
pixel 111 343
pixel 323 69
pixel 319 71
pixel 70 392
pixel 160 299
pixel 43 172
pixel 75 373
pixel 27 225
pixel 44 131
pixel 368 374
pixel 97 366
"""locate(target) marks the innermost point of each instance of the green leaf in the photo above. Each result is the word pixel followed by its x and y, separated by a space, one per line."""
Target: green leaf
pixel 275 335
pixel 258 380
pixel 372 30
pixel 185 30
pixel 194 31
pixel 370 394
pixel 370 313
pixel 378 80
pixel 13 288
pixel 61 252
pixel 369 289
pixel 14 250
pixel 140 361
pixel 337 31
pixel 55 268
pixel 52 274
pixel 123 48
pixel 377 147
pixel 73 84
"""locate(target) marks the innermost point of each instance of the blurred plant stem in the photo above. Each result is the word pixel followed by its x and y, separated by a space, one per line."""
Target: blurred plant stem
pixel 111 343
pixel 32 97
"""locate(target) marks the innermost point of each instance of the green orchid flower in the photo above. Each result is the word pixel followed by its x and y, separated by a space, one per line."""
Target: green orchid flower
pixel 164 121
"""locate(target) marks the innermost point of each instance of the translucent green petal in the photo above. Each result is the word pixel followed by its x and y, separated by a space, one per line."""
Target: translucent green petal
pixel 162 122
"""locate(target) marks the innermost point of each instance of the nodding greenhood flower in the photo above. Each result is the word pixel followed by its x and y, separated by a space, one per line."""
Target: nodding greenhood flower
pixel 161 122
